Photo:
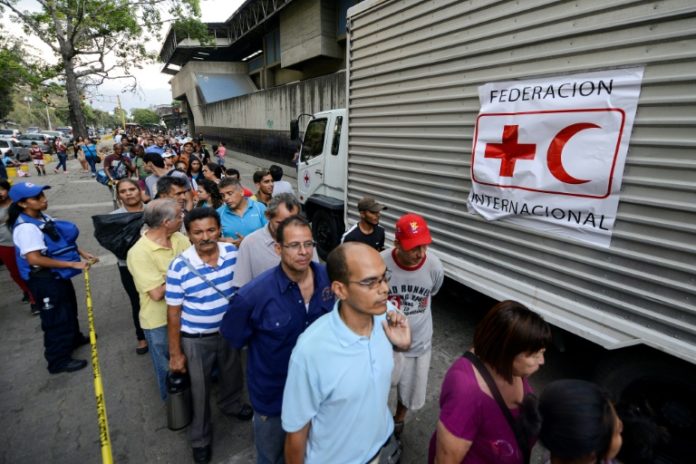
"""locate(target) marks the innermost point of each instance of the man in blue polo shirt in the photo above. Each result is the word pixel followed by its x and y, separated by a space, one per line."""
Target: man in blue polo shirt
pixel 240 216
pixel 198 288
pixel 268 314
pixel 335 399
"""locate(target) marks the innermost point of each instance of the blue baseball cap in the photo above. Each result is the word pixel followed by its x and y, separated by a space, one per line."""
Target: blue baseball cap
pixel 24 190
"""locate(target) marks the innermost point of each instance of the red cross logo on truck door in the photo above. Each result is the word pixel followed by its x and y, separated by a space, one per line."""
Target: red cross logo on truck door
pixel 306 178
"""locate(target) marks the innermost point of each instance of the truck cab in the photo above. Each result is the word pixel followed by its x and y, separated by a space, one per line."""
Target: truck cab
pixel 321 175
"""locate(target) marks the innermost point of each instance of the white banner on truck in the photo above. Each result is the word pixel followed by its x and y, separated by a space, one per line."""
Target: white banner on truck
pixel 549 153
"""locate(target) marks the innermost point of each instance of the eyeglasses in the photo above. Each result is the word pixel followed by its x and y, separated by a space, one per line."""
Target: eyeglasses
pixel 374 282
pixel 295 246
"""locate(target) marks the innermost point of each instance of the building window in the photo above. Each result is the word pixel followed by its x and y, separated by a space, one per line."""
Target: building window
pixel 256 63
pixel 272 47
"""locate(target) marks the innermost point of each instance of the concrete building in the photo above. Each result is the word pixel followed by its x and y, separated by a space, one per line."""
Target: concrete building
pixel 269 62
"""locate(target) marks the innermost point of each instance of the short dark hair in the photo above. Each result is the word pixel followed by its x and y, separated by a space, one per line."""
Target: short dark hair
pixel 260 174
pixel 165 184
pixel 4 184
pixel 276 172
pixel 227 181
pixel 154 158
pixel 337 263
pixel 233 172
pixel 507 330
pixel 296 220
pixel 577 420
pixel 197 214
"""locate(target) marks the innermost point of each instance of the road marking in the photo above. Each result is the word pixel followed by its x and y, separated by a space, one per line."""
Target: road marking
pixel 82 205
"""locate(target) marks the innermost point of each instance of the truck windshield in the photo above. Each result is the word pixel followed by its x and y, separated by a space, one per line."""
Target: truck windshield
pixel 314 139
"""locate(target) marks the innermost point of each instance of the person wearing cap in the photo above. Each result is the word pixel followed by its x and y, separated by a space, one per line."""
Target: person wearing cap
pixel 416 278
pixel 367 230
pixel 48 257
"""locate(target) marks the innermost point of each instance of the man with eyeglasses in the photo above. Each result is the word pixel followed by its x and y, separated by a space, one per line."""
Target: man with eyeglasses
pixel 335 400
pixel 268 314
pixel 257 253
pixel 416 278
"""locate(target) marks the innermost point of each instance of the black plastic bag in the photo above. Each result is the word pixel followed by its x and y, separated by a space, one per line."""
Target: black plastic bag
pixel 118 232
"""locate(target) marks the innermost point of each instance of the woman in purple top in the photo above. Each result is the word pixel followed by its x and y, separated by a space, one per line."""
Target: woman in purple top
pixel 472 429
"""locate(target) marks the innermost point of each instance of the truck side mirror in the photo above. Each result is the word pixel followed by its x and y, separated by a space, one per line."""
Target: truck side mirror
pixel 294 129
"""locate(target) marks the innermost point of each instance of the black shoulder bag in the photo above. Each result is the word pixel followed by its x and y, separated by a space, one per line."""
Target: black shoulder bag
pixel 520 435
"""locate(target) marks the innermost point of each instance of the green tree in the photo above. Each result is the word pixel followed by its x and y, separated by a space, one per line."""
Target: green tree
pixel 17 69
pixel 145 116
pixel 96 40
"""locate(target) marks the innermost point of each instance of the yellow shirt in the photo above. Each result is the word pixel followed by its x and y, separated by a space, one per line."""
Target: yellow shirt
pixel 148 263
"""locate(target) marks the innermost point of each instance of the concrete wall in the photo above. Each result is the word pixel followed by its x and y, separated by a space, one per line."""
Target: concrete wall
pixel 308 30
pixel 184 83
pixel 258 124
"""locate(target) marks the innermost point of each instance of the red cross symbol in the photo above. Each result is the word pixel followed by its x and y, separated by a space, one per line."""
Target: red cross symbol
pixel 306 177
pixel 510 151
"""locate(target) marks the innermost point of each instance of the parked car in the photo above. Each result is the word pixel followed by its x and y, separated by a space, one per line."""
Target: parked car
pixel 11 133
pixel 21 153
pixel 33 130
pixel 41 139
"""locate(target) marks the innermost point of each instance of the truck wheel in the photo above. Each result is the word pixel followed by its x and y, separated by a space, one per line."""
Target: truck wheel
pixel 326 232
pixel 660 391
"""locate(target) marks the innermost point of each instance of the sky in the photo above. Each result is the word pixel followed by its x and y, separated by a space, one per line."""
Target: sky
pixel 153 86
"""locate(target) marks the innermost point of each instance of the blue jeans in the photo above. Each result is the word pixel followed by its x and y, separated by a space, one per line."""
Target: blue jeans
pixel 62 160
pixel 92 161
pixel 269 438
pixel 158 344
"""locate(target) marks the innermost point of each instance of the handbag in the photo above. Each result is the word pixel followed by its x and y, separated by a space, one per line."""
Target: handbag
pixel 520 435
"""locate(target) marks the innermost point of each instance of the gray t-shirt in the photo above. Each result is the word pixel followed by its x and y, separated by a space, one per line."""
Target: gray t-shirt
pixel 282 186
pixel 151 181
pixel 411 291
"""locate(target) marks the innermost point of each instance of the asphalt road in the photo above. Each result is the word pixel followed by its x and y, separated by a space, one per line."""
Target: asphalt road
pixel 52 418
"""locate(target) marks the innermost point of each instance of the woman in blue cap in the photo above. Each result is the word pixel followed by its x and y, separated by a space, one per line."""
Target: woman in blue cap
pixel 48 257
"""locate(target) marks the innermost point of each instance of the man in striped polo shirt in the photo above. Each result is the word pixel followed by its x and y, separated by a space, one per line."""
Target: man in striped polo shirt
pixel 199 286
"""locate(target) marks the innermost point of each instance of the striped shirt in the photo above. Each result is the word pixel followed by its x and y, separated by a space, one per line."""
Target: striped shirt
pixel 202 307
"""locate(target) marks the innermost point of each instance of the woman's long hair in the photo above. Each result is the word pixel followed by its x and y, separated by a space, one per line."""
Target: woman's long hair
pixel 212 189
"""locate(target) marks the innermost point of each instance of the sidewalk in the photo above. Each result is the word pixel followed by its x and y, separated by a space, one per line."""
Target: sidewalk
pixel 52 418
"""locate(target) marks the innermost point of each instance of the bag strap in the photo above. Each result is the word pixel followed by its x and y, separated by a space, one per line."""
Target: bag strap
pixel 203 278
pixel 522 442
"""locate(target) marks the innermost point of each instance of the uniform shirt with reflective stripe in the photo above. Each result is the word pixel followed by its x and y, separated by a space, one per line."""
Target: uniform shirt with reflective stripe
pixel 268 314
pixel 202 307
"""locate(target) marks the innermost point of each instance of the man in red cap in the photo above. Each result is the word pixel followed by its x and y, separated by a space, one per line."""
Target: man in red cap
pixel 416 278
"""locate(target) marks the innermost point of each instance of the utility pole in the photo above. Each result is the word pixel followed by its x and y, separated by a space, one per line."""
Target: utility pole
pixel 28 101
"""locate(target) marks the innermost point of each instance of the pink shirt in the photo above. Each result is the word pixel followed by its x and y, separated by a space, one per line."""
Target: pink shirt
pixel 470 414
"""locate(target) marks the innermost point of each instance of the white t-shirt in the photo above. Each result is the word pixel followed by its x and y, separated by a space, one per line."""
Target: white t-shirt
pixel 28 237
pixel 411 290
pixel 282 186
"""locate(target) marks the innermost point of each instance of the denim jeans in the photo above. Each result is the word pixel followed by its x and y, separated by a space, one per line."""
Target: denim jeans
pixel 62 160
pixel 269 438
pixel 92 161
pixel 158 344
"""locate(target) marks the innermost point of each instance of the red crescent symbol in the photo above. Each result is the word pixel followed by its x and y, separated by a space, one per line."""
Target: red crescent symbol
pixel 555 152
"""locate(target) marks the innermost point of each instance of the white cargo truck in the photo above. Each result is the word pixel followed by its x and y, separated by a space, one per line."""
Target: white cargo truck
pixel 413 72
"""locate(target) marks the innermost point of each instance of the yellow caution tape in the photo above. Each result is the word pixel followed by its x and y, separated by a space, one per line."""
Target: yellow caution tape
pixel 104 437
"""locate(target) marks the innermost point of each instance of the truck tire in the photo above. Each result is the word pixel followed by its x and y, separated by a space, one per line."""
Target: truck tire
pixel 663 390
pixel 326 230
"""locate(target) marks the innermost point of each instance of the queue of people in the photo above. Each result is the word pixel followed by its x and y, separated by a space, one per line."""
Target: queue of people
pixel 326 343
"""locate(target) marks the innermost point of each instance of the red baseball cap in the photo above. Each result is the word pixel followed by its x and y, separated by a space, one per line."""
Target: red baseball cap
pixel 412 231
